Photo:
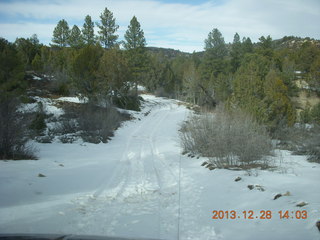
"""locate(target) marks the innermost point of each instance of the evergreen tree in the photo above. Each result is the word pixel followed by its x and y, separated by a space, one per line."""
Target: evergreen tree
pixel 214 62
pixel 88 31
pixel 108 27
pixel 135 44
pixel 279 108
pixel 215 44
pixel 12 85
pixel 113 74
pixel 265 46
pixel 75 39
pixel 134 36
pixel 247 46
pixel 28 49
pixel 236 53
pixel 61 34
pixel 84 67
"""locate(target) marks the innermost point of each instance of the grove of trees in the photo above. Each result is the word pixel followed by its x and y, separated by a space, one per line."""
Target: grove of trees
pixel 255 77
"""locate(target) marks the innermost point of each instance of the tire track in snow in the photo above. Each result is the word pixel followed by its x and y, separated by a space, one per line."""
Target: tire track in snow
pixel 136 179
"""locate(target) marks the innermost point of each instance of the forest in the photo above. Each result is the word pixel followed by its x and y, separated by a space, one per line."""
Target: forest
pixel 262 79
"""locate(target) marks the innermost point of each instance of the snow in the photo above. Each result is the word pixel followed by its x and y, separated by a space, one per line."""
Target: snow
pixel 72 99
pixel 47 104
pixel 36 78
pixel 130 187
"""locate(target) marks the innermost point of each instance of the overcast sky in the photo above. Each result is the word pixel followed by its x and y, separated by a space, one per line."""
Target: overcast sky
pixel 174 24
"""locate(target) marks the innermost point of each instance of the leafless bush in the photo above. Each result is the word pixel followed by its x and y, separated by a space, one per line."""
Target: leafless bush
pixel 98 123
pixel 68 126
pixel 227 138
pixel 13 135
pixel 303 139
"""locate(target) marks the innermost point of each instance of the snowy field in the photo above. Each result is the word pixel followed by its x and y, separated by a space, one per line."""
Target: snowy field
pixel 132 187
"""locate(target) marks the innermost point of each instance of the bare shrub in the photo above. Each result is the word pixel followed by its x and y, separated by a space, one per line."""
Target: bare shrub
pixel 303 139
pixel 227 138
pixel 98 123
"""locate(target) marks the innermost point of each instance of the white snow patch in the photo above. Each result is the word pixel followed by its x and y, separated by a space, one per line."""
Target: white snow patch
pixel 36 78
pixel 72 99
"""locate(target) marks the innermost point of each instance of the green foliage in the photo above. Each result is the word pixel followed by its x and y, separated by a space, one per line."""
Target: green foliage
pixel 236 53
pixel 247 46
pixel 113 74
pixel 311 115
pixel 135 45
pixel 88 31
pixel 37 64
pixel 13 135
pixel 265 96
pixel 108 27
pixel 134 36
pixel 279 107
pixel 315 114
pixel 265 46
pixel 214 60
pixel 84 67
pixel 128 102
pixel 38 124
pixel 61 34
pixel 28 49
pixel 12 81
pixel 75 39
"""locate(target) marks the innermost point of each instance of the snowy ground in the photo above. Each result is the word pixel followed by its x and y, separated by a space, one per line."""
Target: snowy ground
pixel 130 187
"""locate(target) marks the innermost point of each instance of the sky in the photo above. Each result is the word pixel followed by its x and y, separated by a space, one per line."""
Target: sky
pixel 177 24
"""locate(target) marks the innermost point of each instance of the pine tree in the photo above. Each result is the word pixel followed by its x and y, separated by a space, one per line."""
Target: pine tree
pixel 75 38
pixel 88 31
pixel 265 46
pixel 134 36
pixel 215 44
pixel 135 44
pixel 236 53
pixel 214 60
pixel 61 34
pixel 108 27
pixel 247 46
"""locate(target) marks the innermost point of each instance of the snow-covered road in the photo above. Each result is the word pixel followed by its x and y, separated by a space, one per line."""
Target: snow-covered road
pixel 129 187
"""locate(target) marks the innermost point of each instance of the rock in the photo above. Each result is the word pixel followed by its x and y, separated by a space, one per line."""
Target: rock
pixel 237 179
pixel 301 204
pixel 41 175
pixel 184 152
pixel 209 165
pixel 211 168
pixel 204 163
pixel 250 187
pixel 277 196
pixel 259 187
pixel 61 165
pixel 287 194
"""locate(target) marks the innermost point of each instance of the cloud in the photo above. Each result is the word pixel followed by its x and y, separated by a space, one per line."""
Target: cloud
pixel 170 23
